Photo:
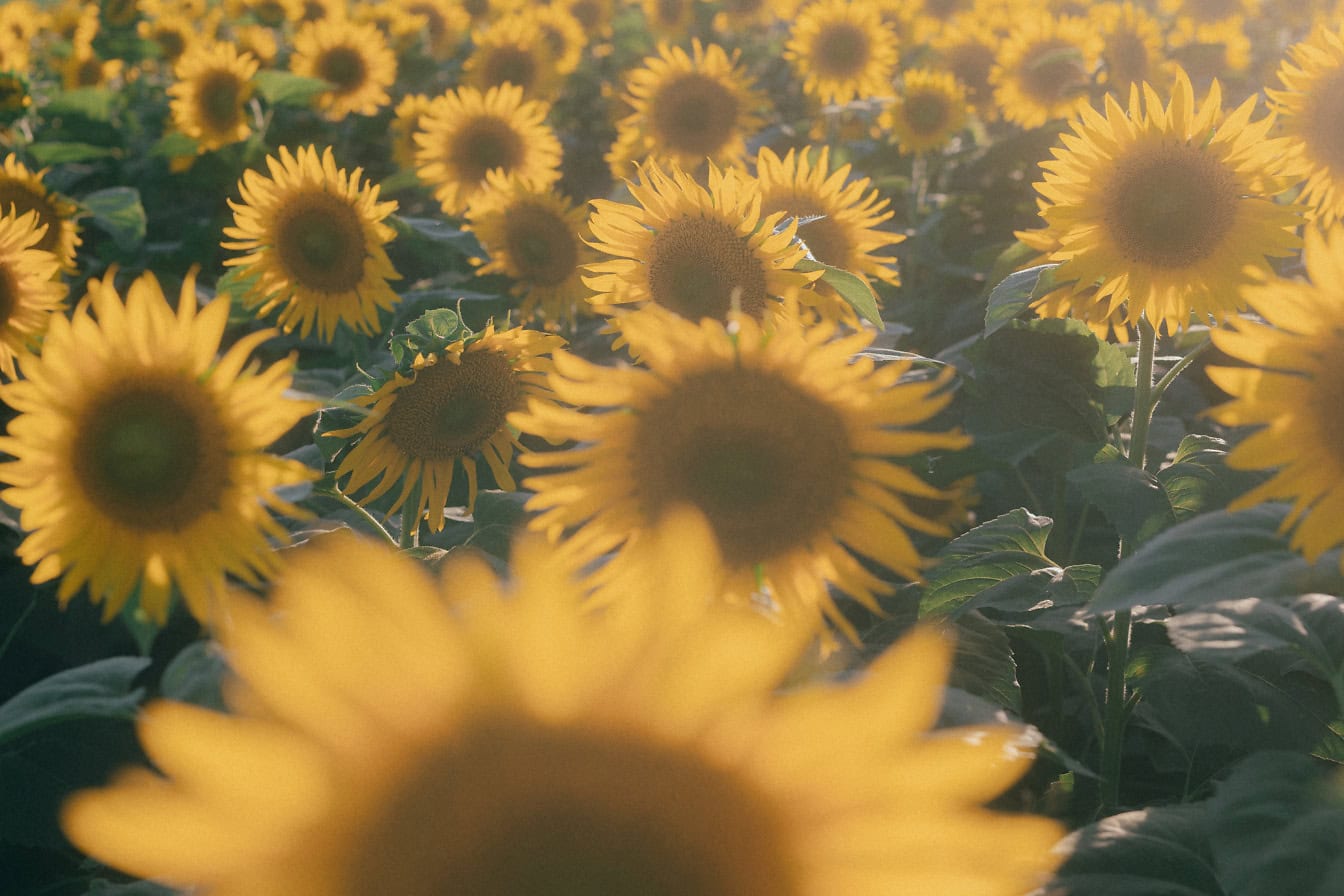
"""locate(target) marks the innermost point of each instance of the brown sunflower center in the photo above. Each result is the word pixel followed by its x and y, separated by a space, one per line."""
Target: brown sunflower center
pixel 1126 58
pixel 1170 205
pixel 926 113
pixel 698 265
pixel 587 13
pixel 971 64
pixel 840 50
pixel 450 410
pixel 1323 122
pixel 766 462
pixel 512 808
pixel 541 244
pixel 320 241
pixel 1210 10
pixel 151 452
pixel 946 9
pixel 219 101
pixel 483 144
pixel 694 115
pixel 172 42
pixel 436 26
pixel 17 199
pixel 344 67
pixel 670 12
pixel 1052 72
pixel 10 295
pixel 270 13
pixel 824 237
pixel 510 64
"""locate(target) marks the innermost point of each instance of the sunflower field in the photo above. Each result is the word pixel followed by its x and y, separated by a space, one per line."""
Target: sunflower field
pixel 672 447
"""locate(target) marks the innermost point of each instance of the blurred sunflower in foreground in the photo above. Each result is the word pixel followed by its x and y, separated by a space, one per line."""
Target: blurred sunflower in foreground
pixel 1166 209
pixel 445 414
pixel 1293 393
pixel 139 456
pixel 692 250
pixel 779 435
pixel 394 735
pixel 314 235
pixel 1310 109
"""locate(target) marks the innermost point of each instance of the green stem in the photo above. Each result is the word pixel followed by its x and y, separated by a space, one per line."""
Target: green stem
pixel 410 520
pixel 364 513
pixel 1161 386
pixel 1116 711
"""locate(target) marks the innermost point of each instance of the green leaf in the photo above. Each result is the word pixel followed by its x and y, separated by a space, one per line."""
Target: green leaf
pixel 174 145
pixel 118 211
pixel 55 152
pixel 1197 478
pixel 1010 299
pixel 428 334
pixel 1215 557
pixel 1238 629
pixel 195 676
pixel 134 888
pixel 1149 852
pixel 1002 565
pixel 93 103
pixel 984 664
pixel 1132 500
pixel 285 89
pixel 851 287
pixel 99 690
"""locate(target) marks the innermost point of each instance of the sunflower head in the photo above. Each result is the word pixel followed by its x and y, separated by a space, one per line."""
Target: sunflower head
pixel 314 237
pixel 1045 70
pixel 779 436
pixel 22 191
pixel 1167 208
pixel 139 456
pixel 1310 108
pixel 353 57
pixel 441 417
pixel 30 289
pixel 843 50
pixel 687 108
pixel 698 252
pixel 446 24
pixel 15 97
pixel 930 109
pixel 512 50
pixel 209 98
pixel 967 49
pixel 468 133
pixel 1133 47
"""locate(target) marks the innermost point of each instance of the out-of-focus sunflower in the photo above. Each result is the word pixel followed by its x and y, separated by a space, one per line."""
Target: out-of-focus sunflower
pixel 930 17
pixel 398 735
pixel 84 67
pixel 16 96
pixel 22 191
pixel 1045 69
pixel 564 34
pixel 512 50
pixel 779 435
pixel 173 34
pixel 698 252
pixel 209 99
pixel 687 108
pixel 139 456
pixel 468 134
pixel 1311 109
pixel 847 209
pixel 271 13
pixel 669 20
pixel 1168 208
pixel 535 237
pixel 313 11
pixel 406 120
pixel 967 48
pixel 929 109
pixel 594 16
pixel 314 238
pixel 446 24
pixel 842 50
pixel 1293 393
pixel 356 60
pixel 22 21
pixel 30 289
pixel 447 412
pixel 1133 48
pixel 258 41
pixel 742 15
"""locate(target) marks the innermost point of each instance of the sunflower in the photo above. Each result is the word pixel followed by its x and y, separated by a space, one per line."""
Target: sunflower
pixel 448 412
pixel 314 235
pixel 594 16
pixel 22 191
pixel 669 20
pixel 930 109
pixel 468 133
pixel 16 97
pixel 84 67
pixel 687 108
pixel 30 288
pixel 780 436
pixel 446 25
pixel 535 237
pixel 1310 109
pixel 271 13
pixel 408 118
pixel 695 251
pixel 139 456
pixel 173 34
pixel 842 50
pixel 1044 70
pixel 353 57
pixel 1133 48
pixel 210 96
pixel 564 34
pixel 967 48
pixel 258 41
pixel 1293 393
pixel 744 15
pixel 398 735
pixel 512 50
pixel 847 211
pixel 1167 208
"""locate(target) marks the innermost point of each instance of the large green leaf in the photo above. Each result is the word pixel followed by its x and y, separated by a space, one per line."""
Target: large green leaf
pixel 1149 852
pixel 56 152
pixel 1214 557
pixel 851 287
pixel 1010 299
pixel 285 89
pixel 99 690
pixel 118 211
pixel 1132 500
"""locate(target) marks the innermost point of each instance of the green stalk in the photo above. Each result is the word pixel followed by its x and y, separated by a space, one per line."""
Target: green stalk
pixel 410 520
pixel 363 513
pixel 1116 713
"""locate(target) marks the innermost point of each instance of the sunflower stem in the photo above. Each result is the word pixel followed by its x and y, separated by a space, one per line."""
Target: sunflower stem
pixel 1117 707
pixel 363 512
pixel 410 520
pixel 1160 388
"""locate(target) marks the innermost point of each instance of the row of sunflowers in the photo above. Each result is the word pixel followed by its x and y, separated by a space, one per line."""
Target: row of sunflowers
pixel 671 447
